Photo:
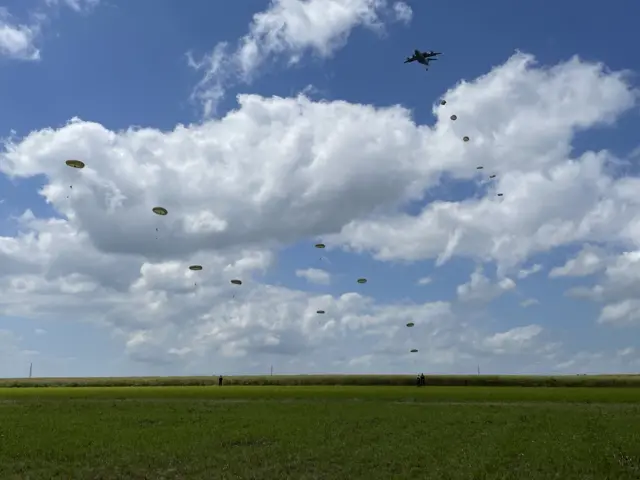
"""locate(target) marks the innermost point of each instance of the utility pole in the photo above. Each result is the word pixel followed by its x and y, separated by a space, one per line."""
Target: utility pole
pixel 272 370
pixel 30 369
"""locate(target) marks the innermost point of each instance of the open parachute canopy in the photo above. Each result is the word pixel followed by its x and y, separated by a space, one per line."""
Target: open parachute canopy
pixel 320 245
pixel 410 324
pixel 480 167
pixel 500 194
pixel 236 282
pixel 443 102
pixel 159 210
pixel 362 280
pixel 453 117
pixel 75 163
pixel 492 176
pixel 465 139
pixel 195 267
pixel 320 312
pixel 414 350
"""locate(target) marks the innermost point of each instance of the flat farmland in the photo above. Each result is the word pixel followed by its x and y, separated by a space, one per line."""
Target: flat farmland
pixel 319 432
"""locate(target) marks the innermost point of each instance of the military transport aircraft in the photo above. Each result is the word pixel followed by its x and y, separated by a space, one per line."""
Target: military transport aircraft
pixel 422 57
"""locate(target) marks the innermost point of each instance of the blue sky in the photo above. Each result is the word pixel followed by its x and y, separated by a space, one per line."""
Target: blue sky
pixel 125 64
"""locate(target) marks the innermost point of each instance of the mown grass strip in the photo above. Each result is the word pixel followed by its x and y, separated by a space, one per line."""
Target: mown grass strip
pixel 324 393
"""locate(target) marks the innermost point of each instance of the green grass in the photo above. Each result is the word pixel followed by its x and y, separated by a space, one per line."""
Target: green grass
pixel 296 380
pixel 315 432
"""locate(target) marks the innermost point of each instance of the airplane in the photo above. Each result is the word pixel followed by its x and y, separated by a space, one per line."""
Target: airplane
pixel 422 57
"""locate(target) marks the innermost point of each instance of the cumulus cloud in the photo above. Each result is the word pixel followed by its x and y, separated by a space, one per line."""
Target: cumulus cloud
pixel 481 288
pixel 315 275
pixel 424 281
pixel 288 29
pixel 17 41
pixel 277 171
pixel 616 287
pixel 512 341
pixel 527 272
pixel 524 131
pixel 588 261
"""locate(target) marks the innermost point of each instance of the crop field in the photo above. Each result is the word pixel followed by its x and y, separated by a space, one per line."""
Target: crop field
pixel 318 432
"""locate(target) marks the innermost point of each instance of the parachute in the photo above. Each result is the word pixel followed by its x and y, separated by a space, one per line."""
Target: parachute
pixel 414 350
pixel 320 245
pixel 465 139
pixel 410 324
pixel 362 280
pixel 492 176
pixel 236 282
pixel 454 117
pixel 443 102
pixel 479 167
pixel 500 194
pixel 159 210
pixel 195 267
pixel 75 163
pixel 320 312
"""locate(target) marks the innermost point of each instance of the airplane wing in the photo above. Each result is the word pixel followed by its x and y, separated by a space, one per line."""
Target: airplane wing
pixel 410 59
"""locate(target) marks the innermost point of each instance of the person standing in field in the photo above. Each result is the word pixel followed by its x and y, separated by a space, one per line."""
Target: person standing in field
pixel 422 382
pixel 220 381
pixel 417 380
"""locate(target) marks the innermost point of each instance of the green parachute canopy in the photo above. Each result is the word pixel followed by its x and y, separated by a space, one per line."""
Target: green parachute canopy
pixel 195 267
pixel 465 139
pixel 320 312
pixel 236 282
pixel 159 210
pixel 410 324
pixel 320 245
pixel 75 163
pixel 414 350
pixel 453 117
pixel 362 280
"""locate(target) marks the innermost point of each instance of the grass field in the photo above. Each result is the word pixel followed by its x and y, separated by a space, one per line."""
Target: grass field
pixel 371 380
pixel 320 432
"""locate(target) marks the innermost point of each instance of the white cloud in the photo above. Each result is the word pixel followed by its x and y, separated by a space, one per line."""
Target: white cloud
pixel 288 29
pixel 40 331
pixel 626 312
pixel 424 281
pixel 529 302
pixel 77 6
pixel 521 121
pixel 403 12
pixel 315 275
pixel 617 287
pixel 527 272
pixel 481 288
pixel 512 341
pixel 588 261
pixel 626 360
pixel 277 171
pixel 17 41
